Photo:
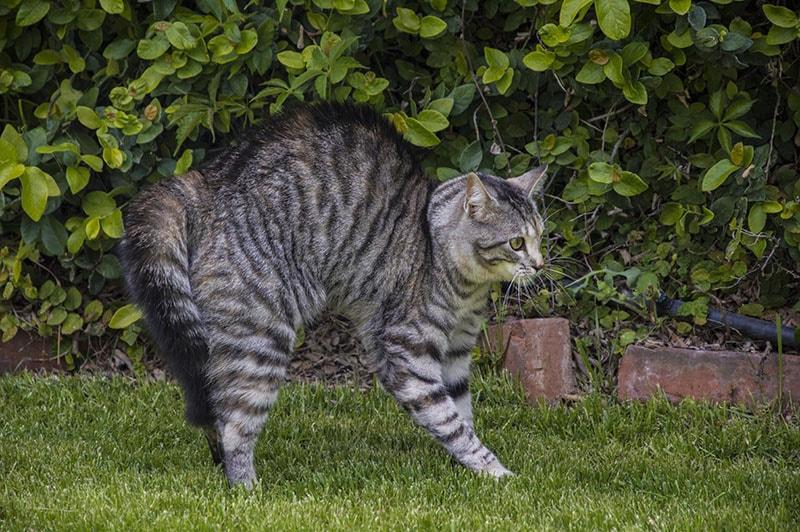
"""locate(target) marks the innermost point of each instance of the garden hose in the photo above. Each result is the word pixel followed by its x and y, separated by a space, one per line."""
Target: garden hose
pixel 750 327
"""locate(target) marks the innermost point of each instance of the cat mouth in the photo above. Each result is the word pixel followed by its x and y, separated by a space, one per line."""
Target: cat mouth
pixel 526 272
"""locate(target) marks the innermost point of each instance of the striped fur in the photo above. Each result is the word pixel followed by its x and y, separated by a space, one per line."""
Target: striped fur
pixel 324 207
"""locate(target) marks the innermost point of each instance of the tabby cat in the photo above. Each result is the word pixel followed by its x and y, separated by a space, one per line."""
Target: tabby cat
pixel 325 207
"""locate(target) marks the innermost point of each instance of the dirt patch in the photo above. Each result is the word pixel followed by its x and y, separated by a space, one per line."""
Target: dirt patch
pixel 28 352
pixel 331 352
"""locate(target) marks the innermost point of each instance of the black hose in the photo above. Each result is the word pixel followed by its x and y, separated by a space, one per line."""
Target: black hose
pixel 750 327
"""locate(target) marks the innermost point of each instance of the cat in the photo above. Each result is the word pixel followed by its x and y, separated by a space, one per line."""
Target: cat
pixel 325 206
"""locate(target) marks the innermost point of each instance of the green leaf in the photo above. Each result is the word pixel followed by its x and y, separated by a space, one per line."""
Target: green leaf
pixel 88 117
pixel 418 135
pixel 360 7
pixel 614 18
pixel 184 163
pixel 291 59
pixel 757 218
pixel 150 49
pixel 752 309
pixel 493 74
pixel 635 92
pixel 495 58
pixel 125 316
pixel 735 42
pixel 72 324
pixel 432 120
pixel 77 178
pixel 76 240
pixel 680 40
pixel 53 234
pixel 31 11
pixel 57 316
pixel 462 97
pixel 680 7
pixel 671 213
pixel 771 207
pixel 115 7
pixel 222 49
pixel 778 35
pixel 59 148
pixel 119 49
pixel 90 19
pixel 114 157
pixel 93 161
pixel 92 228
pixel 504 83
pixel 569 10
pixel 11 136
pixel 717 175
pixel 34 192
pixel 93 310
pixel 443 105
pixel 781 16
pixel 98 204
pixel 591 74
pixel 633 52
pixel 179 36
pixel 602 172
pixel 700 129
pixel 539 60
pixel 471 157
pixel 697 17
pixel 724 138
pixel 47 57
pixel 715 104
pixel 10 171
pixel 112 224
pixel 613 69
pixel 431 26
pixel 8 154
pixel 248 42
pixel 407 21
pixel 629 184
pixel 737 109
pixel 660 66
pixel 741 128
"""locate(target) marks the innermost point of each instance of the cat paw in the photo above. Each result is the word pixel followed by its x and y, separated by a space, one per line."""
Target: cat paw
pixel 497 470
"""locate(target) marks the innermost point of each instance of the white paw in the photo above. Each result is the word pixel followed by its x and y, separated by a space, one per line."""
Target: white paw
pixel 497 470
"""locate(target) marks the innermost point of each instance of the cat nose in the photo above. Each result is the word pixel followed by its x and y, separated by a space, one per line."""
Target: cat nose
pixel 537 262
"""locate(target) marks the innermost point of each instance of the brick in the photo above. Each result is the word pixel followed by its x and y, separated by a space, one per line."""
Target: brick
pixel 538 352
pixel 27 351
pixel 715 376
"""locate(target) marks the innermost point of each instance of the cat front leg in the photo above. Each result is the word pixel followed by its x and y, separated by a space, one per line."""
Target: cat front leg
pixel 455 375
pixel 412 373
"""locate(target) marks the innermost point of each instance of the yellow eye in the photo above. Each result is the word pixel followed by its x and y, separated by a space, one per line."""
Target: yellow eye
pixel 516 243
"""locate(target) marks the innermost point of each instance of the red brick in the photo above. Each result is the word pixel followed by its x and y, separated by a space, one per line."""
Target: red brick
pixel 539 353
pixel 716 376
pixel 27 351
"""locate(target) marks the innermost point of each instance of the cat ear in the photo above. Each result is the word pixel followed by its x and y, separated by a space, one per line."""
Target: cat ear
pixel 477 201
pixel 531 181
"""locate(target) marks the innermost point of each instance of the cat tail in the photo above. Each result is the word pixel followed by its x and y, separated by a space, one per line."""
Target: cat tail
pixel 155 255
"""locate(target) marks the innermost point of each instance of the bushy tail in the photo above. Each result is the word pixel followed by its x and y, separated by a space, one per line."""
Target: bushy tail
pixel 155 256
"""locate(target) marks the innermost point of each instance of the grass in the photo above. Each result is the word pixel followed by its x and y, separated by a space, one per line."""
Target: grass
pixel 81 453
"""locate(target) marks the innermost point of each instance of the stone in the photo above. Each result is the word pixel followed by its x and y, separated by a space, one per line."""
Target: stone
pixel 539 353
pixel 30 352
pixel 714 376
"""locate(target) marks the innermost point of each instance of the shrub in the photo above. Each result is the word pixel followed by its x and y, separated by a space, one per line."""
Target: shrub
pixel 670 127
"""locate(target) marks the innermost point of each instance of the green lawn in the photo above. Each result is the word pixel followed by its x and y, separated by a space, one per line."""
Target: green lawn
pixel 94 454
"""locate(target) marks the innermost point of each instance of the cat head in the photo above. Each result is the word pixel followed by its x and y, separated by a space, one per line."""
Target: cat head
pixel 496 233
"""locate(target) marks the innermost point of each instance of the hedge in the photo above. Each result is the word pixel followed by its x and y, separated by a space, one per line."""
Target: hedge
pixel 670 128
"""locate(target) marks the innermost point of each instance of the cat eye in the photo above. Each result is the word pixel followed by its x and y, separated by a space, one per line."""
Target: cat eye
pixel 516 243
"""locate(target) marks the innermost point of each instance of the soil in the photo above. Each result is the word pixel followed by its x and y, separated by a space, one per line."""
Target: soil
pixel 331 353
